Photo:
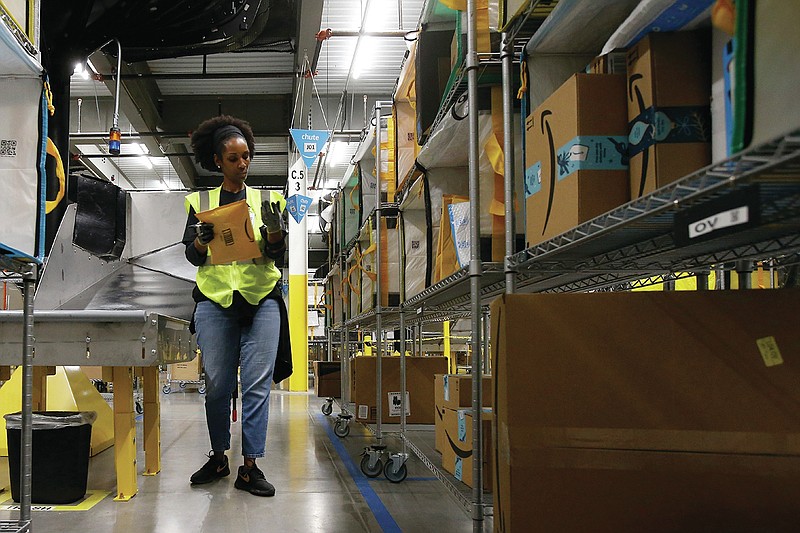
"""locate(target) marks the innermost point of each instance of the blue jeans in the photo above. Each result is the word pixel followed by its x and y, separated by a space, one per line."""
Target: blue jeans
pixel 226 345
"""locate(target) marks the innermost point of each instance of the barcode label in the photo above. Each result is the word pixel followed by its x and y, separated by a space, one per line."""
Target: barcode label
pixel 363 411
pixel 227 237
pixel 8 147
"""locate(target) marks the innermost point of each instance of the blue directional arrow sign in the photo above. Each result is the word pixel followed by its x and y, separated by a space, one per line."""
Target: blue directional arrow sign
pixel 298 205
pixel 309 143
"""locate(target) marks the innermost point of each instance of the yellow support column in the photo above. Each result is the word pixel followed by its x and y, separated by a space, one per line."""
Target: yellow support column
pixel 298 277
pixel 124 434
pixel 446 334
pixel 152 422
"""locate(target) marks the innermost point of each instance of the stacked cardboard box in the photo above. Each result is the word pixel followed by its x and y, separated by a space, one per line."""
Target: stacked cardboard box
pixel 457 452
pixel 655 411
pixel 454 391
pixel 420 373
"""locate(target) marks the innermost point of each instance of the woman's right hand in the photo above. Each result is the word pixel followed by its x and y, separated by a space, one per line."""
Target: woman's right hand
pixel 205 233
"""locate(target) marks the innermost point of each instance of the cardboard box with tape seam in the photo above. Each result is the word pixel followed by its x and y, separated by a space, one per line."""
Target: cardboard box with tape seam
pixel 656 411
pixel 669 113
pixel 576 155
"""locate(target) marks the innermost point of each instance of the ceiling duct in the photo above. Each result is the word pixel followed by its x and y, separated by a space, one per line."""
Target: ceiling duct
pixel 159 29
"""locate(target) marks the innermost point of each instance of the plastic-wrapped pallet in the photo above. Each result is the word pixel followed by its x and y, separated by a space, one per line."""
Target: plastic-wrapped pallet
pixel 405 118
pixel 351 284
pixel 350 199
pixel 366 266
pixel 415 238
pixel 446 169
pixel 333 295
pixel 22 180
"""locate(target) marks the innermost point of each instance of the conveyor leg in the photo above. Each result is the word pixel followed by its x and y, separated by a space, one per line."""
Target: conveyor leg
pixel 39 396
pixel 152 422
pixel 124 434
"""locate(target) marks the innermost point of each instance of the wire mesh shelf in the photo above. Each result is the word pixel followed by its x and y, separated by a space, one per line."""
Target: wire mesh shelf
pixel 642 238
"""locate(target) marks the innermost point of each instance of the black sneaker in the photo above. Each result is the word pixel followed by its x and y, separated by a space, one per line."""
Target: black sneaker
pixel 212 470
pixel 253 481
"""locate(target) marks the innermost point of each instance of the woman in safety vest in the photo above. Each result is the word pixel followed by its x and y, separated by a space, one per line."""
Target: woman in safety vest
pixel 240 311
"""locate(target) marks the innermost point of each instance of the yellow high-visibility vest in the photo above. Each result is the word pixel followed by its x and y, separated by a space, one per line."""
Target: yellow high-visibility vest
pixel 254 279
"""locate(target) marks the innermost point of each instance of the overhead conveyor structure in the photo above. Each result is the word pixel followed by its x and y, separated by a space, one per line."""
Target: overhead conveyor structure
pixel 128 315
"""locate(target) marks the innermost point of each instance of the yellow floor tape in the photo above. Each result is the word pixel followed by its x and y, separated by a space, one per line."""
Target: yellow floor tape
pixel 92 498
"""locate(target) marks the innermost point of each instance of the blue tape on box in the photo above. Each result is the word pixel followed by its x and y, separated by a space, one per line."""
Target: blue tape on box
pixel 679 124
pixel 533 179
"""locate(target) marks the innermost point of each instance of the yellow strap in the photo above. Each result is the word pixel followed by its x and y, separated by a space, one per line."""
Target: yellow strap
pixel 49 95
pixel 53 151
pixel 358 207
pixel 523 79
pixel 356 266
pixel 370 250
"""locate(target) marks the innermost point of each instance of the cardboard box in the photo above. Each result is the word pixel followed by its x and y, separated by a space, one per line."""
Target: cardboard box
pixel 575 162
pixel 328 379
pixel 680 414
pixel 457 391
pixel 188 371
pixel 669 95
pixel 419 385
pixel 613 62
pixel 457 457
pixel 438 403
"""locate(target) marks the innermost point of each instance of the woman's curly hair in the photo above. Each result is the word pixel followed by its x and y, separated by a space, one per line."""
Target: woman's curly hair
pixel 203 140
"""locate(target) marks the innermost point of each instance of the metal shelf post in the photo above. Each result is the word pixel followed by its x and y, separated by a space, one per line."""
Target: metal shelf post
pixel 506 57
pixel 26 440
pixel 475 268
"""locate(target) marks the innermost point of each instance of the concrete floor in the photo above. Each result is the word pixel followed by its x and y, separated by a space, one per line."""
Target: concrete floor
pixel 318 482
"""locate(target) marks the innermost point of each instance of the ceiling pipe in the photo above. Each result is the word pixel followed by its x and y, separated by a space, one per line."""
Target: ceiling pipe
pixel 203 76
pixel 341 134
pixel 168 154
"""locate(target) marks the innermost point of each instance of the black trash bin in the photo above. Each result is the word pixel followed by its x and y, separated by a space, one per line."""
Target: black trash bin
pixel 60 455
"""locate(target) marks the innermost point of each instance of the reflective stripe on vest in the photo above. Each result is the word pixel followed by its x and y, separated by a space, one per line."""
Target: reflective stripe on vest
pixel 253 279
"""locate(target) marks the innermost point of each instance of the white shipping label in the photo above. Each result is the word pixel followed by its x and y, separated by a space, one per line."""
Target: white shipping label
pixel 363 411
pixel 394 404
pixel 459 226
pixel 725 219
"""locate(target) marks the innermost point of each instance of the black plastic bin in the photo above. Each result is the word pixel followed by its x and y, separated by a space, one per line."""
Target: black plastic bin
pixel 60 455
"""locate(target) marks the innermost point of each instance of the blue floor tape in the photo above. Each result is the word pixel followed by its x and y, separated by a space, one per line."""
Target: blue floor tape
pixel 374 502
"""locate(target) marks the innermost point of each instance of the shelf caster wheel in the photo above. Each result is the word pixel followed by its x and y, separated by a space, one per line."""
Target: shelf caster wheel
pixel 327 408
pixel 394 473
pixel 166 389
pixel 369 468
pixel 202 389
pixel 139 408
pixel 342 428
pixel 182 385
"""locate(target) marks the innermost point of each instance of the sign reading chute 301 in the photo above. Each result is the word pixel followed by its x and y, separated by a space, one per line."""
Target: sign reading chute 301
pixel 309 143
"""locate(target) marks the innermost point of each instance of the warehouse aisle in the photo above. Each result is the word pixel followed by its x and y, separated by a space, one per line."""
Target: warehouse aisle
pixel 317 489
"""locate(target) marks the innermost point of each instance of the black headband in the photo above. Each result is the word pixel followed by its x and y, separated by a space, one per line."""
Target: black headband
pixel 222 133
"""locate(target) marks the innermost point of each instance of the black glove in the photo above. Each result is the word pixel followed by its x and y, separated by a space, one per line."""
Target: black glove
pixel 271 215
pixel 205 232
